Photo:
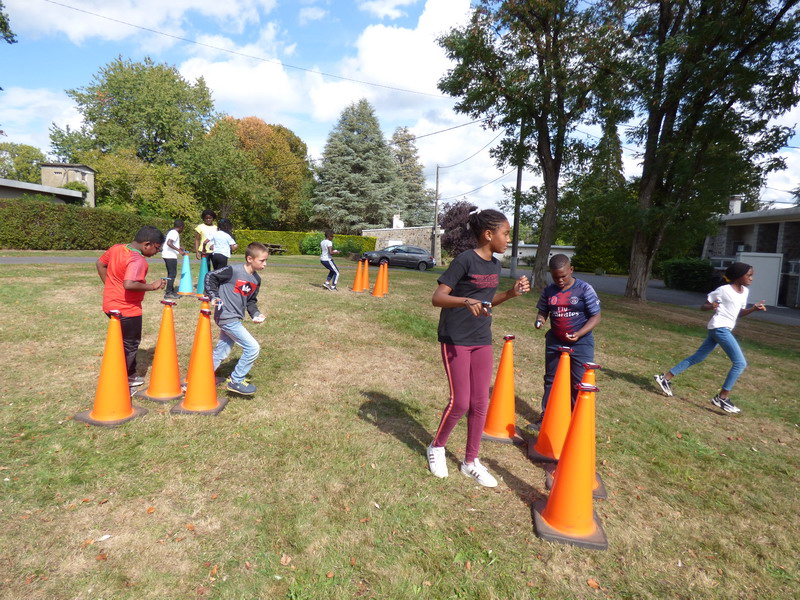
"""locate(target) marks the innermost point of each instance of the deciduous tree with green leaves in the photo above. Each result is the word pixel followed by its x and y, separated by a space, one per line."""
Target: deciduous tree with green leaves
pixel 707 77
pixel 419 199
pixel 143 106
pixel 358 186
pixel 21 162
pixel 531 65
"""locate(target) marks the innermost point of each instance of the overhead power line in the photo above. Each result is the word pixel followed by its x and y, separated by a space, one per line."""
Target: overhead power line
pixel 242 54
pixel 478 188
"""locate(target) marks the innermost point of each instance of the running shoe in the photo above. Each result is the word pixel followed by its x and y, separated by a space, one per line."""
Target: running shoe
pixel 664 384
pixel 479 473
pixel 326 285
pixel 437 462
pixel 135 381
pixel 245 388
pixel 725 404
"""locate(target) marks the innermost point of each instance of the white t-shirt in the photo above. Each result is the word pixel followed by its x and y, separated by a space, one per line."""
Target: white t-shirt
pixel 175 238
pixel 222 243
pixel 730 304
pixel 326 246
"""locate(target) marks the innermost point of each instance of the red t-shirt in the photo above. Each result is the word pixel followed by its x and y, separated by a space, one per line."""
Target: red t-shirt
pixel 123 263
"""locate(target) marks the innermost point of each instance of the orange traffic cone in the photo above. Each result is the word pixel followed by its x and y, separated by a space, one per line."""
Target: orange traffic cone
pixel 598 489
pixel 165 378
pixel 112 400
pixel 365 277
pixel 501 417
pixel 567 516
pixel 357 280
pixel 377 289
pixel 555 423
pixel 385 286
pixel 201 388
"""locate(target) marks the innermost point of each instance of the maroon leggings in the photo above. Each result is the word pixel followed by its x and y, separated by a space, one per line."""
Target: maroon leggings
pixel 469 372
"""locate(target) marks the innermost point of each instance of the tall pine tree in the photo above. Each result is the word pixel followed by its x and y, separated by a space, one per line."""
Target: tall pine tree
pixel 358 183
pixel 418 210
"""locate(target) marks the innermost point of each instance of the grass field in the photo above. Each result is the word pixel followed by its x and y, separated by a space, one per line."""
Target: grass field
pixel 317 487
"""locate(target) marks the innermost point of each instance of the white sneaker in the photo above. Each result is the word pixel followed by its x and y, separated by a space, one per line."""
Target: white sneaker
pixel 437 462
pixel 479 473
pixel 326 285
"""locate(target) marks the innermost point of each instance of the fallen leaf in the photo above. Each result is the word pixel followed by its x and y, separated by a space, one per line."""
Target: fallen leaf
pixel 190 527
pixel 329 574
pixel 352 561
pixel 151 510
pixel 87 543
pixel 468 565
pixel 679 435
pixel 102 556
pixel 206 564
pixel 285 559
pixel 213 571
pixel 214 496
pixel 86 500
pixel 364 520
pixel 247 565
pixel 592 583
pixel 102 501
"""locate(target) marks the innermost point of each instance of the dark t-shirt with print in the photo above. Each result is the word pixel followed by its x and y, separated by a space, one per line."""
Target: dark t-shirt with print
pixel 472 277
pixel 568 309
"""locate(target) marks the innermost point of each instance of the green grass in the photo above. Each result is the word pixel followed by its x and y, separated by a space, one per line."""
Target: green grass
pixel 317 487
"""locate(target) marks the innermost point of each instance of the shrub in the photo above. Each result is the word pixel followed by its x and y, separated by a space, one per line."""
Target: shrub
pixel 346 244
pixel 691 274
pixel 311 244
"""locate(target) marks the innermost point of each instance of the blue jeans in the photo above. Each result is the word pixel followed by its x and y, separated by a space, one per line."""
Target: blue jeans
pixel 724 337
pixel 582 352
pixel 230 333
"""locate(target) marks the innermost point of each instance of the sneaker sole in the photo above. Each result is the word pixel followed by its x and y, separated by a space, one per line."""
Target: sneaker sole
pixel 239 392
pixel 493 485
pixel 667 393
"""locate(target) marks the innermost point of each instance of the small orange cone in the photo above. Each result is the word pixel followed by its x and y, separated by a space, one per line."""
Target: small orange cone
pixel 357 280
pixel 365 277
pixel 165 378
pixel 567 516
pixel 377 289
pixel 598 489
pixel 385 285
pixel 555 423
pixel 201 386
pixel 501 417
pixel 112 400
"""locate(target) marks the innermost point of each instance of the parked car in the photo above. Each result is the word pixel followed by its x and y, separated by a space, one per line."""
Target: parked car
pixel 402 256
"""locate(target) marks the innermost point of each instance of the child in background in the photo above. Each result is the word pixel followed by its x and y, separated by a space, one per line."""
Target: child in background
pixel 221 244
pixel 123 271
pixel 203 233
pixel 574 311
pixel 169 252
pixel 326 258
pixel 234 289
pixel 466 294
pixel 729 302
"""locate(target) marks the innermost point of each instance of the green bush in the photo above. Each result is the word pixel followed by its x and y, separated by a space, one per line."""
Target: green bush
pixel 346 244
pixel 691 274
pixel 42 225
pixel 311 244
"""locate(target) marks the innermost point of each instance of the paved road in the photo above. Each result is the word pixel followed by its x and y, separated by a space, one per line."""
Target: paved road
pixel 606 284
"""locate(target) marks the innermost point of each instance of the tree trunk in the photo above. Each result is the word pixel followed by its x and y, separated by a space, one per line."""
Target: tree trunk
pixel 643 253
pixel 548 232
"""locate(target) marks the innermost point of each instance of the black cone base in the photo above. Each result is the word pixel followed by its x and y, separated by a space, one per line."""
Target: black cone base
pixel 84 417
pixel 595 541
pixel 221 403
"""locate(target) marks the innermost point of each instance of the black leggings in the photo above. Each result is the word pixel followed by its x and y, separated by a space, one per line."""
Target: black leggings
pixel 218 261
pixel 172 271
pixel 131 338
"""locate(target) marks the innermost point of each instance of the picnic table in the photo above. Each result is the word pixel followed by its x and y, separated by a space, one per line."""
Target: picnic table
pixel 276 248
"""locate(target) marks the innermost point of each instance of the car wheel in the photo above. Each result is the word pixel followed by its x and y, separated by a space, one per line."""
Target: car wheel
pixel 383 261
pixel 423 266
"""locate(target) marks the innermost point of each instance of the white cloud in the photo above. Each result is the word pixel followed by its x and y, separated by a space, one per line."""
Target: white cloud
pixel 385 8
pixel 312 13
pixel 26 115
pixel 38 18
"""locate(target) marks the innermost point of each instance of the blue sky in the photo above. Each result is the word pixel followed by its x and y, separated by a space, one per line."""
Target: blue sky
pixel 382 42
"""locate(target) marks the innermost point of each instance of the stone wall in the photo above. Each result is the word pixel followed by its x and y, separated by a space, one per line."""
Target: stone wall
pixel 409 236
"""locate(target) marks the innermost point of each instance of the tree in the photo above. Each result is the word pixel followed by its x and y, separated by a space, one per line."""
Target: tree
pixel 418 210
pixel 125 182
pixel 453 218
pixel 21 162
pixel 144 106
pixel 531 67
pixel 225 180
pixel 707 77
pixel 5 33
pixel 282 159
pixel 358 186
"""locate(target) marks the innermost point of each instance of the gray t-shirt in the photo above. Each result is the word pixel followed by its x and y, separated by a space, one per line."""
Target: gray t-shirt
pixel 238 291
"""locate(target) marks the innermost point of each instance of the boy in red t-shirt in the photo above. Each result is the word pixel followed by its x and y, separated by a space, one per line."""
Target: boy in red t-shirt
pixel 123 269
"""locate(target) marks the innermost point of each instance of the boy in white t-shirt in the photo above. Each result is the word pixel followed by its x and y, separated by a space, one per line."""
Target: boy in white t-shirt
pixel 169 252
pixel 326 258
pixel 728 302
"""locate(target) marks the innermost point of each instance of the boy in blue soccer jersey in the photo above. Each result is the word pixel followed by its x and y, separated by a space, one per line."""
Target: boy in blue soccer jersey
pixel 574 311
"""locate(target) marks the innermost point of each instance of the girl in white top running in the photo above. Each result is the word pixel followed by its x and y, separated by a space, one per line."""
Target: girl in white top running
pixel 326 258
pixel 728 303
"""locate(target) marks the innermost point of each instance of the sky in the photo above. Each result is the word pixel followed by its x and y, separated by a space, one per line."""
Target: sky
pixel 297 63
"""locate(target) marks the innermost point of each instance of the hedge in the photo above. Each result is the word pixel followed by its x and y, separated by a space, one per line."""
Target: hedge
pixel 691 274
pixel 42 225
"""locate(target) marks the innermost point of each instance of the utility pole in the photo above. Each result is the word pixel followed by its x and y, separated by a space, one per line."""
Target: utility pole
pixel 435 246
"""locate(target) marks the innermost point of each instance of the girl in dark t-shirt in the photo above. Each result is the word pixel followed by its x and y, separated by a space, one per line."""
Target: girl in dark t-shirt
pixel 466 294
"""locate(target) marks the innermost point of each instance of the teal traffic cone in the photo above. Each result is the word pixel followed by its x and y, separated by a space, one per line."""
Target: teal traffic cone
pixel 185 287
pixel 201 279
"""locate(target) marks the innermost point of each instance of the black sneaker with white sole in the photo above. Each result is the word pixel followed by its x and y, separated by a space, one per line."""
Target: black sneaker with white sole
pixel 725 404
pixel 664 384
pixel 135 381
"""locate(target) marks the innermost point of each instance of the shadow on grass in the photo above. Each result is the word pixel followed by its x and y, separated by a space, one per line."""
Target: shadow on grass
pixel 526 492
pixel 642 381
pixel 396 418
pixel 525 410
pixel 144 360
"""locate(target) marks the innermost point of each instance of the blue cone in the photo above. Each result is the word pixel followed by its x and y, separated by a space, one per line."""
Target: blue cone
pixel 185 287
pixel 201 279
